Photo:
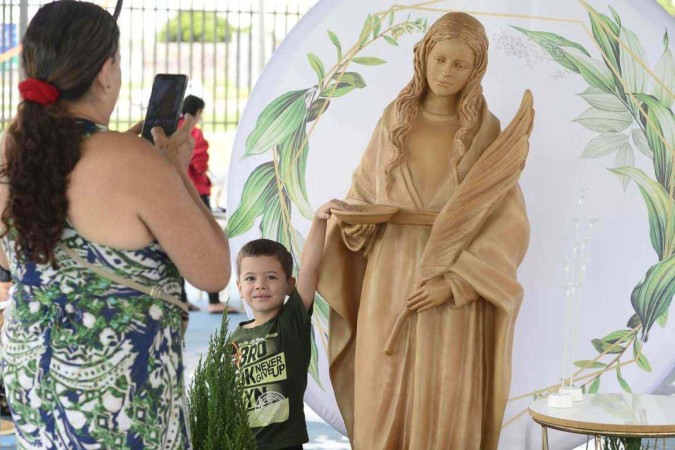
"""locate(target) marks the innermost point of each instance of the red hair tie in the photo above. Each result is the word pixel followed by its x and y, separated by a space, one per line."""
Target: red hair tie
pixel 40 92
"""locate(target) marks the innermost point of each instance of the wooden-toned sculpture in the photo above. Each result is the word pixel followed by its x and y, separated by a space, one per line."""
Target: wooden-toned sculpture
pixel 423 306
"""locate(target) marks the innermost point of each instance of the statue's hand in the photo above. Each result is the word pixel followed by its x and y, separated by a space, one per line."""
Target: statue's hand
pixel 432 293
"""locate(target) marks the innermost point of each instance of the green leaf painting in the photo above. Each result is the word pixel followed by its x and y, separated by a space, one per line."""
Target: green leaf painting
pixel 276 189
pixel 590 364
pixel 592 70
pixel 624 158
pixel 279 119
pixel 665 73
pixel 553 44
pixel 633 74
pixel 652 297
pixel 622 382
pixel 659 209
pixel 369 60
pixel 603 101
pixel 258 191
pixel 292 167
pixel 317 65
pixel 595 385
pixel 641 143
pixel 602 121
pixel 640 358
pixel 614 342
pixel 336 42
pixel 660 132
pixel 604 144
pixel 604 31
pixel 663 319
pixel 630 109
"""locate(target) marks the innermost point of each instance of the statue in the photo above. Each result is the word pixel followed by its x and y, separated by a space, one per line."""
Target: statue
pixel 423 306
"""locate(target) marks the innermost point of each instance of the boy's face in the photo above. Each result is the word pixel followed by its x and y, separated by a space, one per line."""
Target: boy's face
pixel 263 284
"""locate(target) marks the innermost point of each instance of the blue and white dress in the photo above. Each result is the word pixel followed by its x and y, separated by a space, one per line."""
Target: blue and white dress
pixel 88 363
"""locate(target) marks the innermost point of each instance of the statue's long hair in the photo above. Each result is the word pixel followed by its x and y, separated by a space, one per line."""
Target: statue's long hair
pixel 454 25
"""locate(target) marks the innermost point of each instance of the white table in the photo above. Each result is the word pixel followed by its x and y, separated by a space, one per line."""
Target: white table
pixel 625 415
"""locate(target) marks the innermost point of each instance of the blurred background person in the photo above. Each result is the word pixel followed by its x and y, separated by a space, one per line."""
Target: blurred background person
pixel 198 173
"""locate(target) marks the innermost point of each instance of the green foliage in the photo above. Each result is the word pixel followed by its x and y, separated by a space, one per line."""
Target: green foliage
pixel 632 112
pixel 640 358
pixel 614 342
pixel 622 382
pixel 553 44
pixel 292 168
pixel 587 364
pixel 277 121
pixel 659 209
pixel 317 65
pixel 660 132
pixel 652 297
pixel 259 189
pixel 218 417
pixel 197 26
pixel 595 386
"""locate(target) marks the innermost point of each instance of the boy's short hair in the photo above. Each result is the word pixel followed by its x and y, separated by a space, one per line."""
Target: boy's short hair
pixel 267 247
pixel 192 104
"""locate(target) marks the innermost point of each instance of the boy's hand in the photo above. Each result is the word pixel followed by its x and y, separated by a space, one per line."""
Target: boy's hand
pixel 324 212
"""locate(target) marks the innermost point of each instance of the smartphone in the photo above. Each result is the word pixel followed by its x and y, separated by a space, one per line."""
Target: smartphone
pixel 166 101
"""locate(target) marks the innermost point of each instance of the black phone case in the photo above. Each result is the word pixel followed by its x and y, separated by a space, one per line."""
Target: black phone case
pixel 153 120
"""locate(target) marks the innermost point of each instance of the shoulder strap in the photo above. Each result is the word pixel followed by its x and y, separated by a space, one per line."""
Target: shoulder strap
pixel 154 292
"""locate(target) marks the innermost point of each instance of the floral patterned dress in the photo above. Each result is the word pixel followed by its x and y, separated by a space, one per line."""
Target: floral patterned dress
pixel 88 363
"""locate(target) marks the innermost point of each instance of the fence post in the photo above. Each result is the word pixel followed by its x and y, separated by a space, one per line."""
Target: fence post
pixel 261 36
pixel 23 18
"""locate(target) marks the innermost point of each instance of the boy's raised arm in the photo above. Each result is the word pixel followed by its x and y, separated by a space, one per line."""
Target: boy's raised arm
pixel 308 275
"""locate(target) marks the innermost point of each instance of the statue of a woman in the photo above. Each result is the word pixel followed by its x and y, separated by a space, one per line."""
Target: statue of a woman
pixel 423 307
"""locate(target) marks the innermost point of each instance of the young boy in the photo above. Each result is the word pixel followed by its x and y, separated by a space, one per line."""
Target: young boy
pixel 273 350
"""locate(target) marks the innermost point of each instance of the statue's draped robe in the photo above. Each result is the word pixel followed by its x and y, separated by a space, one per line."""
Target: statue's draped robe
pixel 446 384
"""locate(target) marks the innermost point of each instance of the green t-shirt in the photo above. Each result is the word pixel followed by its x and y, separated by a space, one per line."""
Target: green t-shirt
pixel 273 360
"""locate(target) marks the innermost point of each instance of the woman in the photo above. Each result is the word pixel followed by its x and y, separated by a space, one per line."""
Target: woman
pixel 423 308
pixel 88 362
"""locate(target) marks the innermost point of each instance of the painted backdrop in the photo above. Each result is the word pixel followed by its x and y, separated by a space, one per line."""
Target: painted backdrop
pixel 602 78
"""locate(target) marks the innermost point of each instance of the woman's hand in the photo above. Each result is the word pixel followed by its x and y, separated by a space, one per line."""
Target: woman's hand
pixel 178 147
pixel 432 293
pixel 324 212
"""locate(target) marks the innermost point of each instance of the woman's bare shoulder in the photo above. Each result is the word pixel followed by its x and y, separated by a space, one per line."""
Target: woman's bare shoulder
pixel 124 152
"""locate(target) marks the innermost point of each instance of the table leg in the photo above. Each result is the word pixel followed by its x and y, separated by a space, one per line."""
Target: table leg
pixel 544 438
pixel 598 442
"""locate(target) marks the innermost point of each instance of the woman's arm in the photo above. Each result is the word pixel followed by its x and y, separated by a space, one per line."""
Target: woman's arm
pixel 170 207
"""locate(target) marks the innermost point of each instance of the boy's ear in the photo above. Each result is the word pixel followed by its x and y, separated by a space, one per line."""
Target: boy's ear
pixel 241 295
pixel 291 285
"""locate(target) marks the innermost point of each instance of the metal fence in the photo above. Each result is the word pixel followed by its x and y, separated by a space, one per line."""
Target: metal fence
pixel 221 45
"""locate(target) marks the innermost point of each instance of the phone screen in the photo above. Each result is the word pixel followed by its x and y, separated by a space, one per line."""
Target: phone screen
pixel 166 101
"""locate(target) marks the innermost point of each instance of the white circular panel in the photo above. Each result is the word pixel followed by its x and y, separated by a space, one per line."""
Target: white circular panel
pixel 549 48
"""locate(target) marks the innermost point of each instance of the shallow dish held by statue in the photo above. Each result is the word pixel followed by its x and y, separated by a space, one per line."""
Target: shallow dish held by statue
pixel 366 214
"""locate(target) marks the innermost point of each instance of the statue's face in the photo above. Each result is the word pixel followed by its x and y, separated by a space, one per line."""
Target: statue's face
pixel 449 66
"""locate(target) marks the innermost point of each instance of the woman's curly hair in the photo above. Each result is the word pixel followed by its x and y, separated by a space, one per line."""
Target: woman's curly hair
pixel 65 45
